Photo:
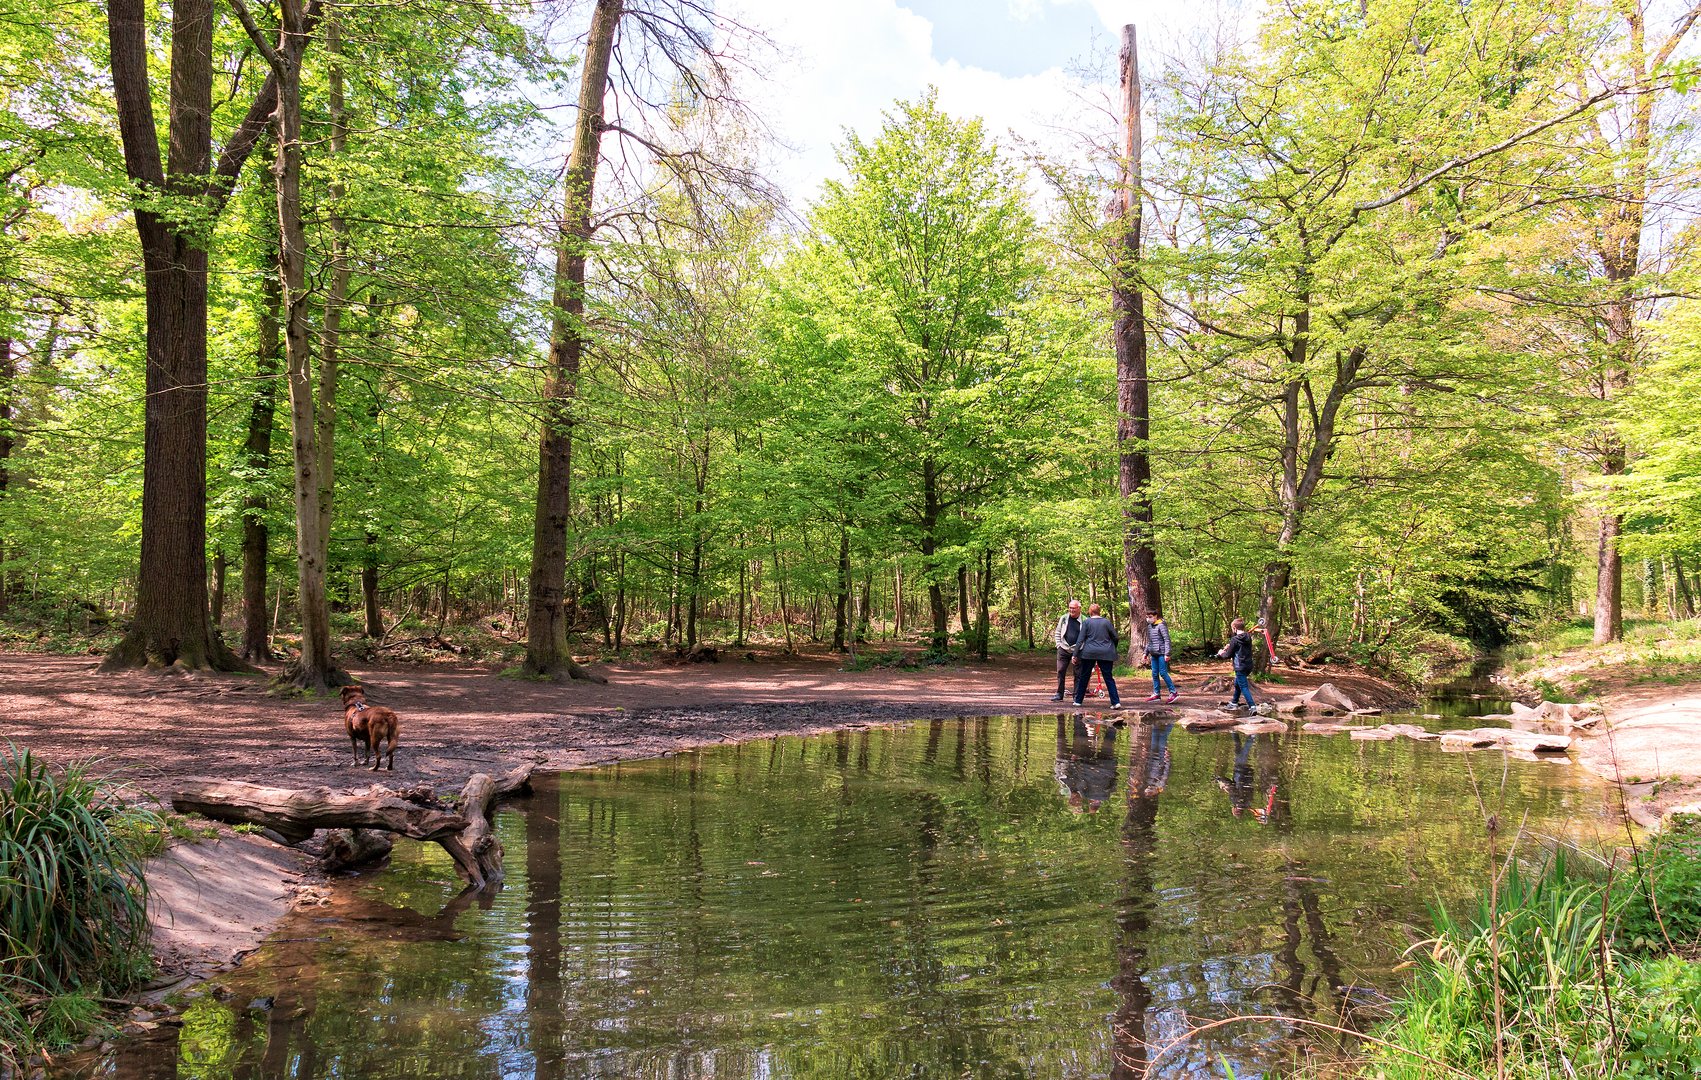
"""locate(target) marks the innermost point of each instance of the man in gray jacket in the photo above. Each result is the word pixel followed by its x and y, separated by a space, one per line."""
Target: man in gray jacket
pixel 1067 633
pixel 1097 647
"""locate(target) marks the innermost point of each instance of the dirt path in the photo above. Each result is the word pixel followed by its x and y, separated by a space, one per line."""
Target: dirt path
pixel 155 730
pixel 1651 747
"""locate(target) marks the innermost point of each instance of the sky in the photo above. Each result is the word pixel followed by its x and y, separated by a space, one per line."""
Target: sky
pixel 1015 63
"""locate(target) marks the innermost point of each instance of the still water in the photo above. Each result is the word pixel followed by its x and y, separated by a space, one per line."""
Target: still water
pixel 984 898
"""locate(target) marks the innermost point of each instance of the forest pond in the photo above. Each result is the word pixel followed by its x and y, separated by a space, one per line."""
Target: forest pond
pixel 991 898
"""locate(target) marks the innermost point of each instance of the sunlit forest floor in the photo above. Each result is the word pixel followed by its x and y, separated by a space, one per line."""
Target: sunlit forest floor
pixel 460 718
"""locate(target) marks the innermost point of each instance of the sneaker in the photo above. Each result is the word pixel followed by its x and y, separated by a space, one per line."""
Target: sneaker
pixel 1056 697
pixel 1154 697
pixel 1115 705
pixel 1077 704
pixel 1172 699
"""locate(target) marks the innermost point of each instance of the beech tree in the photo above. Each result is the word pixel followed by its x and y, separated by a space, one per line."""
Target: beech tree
pixel 175 204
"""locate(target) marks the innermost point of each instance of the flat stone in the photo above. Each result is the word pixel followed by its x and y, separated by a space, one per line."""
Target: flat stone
pixel 1412 731
pixel 1374 734
pixel 1483 738
pixel 1315 728
pixel 1261 727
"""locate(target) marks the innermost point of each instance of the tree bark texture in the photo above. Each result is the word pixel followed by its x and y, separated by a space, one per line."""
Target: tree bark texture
pixel 1133 398
pixel 171 625
pixel 257 456
pixel 546 624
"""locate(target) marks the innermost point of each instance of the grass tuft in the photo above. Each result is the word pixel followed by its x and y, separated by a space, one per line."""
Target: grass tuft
pixel 73 909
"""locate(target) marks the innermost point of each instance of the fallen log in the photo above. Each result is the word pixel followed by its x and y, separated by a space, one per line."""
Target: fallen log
pixel 476 851
pixel 346 849
pixel 466 833
pixel 296 813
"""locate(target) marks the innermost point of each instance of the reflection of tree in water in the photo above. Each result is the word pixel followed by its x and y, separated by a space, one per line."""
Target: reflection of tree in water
pixel 1148 772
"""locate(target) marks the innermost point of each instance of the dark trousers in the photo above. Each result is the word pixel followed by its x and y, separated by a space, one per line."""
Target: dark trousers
pixel 1084 672
pixel 1243 685
pixel 1064 659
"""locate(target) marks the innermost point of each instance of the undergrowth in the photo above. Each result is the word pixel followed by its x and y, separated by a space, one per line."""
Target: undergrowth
pixel 73 911
pixel 1539 981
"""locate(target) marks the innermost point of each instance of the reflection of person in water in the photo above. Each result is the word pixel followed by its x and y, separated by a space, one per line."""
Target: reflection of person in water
pixel 1155 776
pixel 1242 783
pixel 1086 767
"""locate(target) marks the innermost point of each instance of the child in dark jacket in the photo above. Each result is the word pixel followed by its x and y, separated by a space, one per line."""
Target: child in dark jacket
pixel 1239 651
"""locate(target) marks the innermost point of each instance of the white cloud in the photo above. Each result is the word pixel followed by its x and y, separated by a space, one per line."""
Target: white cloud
pixel 846 62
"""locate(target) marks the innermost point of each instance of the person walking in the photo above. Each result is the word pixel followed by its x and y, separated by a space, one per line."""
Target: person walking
pixel 1157 651
pixel 1097 647
pixel 1065 637
pixel 1240 652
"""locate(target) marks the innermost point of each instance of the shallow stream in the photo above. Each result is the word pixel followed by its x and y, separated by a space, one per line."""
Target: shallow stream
pixel 1023 897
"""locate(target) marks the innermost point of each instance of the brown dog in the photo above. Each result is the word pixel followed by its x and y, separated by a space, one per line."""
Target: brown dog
pixel 369 727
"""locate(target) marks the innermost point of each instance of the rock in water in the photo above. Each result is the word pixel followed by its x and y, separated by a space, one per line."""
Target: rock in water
pixel 1482 738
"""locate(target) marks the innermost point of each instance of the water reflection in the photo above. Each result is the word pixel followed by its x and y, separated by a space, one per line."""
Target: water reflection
pixel 1086 763
pixel 935 900
pixel 1247 785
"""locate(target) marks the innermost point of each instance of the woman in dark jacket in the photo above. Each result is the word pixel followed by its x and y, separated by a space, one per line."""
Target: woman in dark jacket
pixel 1097 645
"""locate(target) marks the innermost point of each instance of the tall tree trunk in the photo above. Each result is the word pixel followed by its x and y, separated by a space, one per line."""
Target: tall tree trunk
pixel 546 631
pixel 963 598
pixel 864 614
pixel 743 574
pixel 841 606
pixel 1685 598
pixel 171 626
pixel 216 601
pixel 940 643
pixel 257 456
pixel 8 390
pixel 983 618
pixel 313 669
pixel 374 615
pixel 1133 401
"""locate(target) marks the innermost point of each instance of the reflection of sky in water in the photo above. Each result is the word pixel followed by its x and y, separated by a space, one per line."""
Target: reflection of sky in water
pixel 918 901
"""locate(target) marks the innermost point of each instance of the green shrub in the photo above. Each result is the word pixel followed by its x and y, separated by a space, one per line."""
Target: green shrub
pixel 73 915
pixel 1659 903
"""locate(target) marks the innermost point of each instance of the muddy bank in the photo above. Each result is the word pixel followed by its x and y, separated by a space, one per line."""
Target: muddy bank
pixel 212 902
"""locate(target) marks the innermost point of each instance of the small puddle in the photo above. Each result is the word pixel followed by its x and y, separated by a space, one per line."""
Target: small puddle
pixel 990 898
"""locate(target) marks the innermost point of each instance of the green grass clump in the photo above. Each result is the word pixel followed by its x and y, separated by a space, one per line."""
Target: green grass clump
pixel 1659 905
pixel 73 913
pixel 1568 1005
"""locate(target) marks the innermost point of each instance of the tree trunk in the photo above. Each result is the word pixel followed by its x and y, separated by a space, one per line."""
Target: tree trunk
pixel 369 589
pixel 743 573
pixel 864 614
pixel 841 606
pixel 257 456
pixel 8 389
pixel 1133 400
pixel 313 669
pixel 983 619
pixel 963 598
pixel 171 625
pixel 1685 598
pixel 546 629
pixel 940 642
pixel 1609 582
pixel 217 600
